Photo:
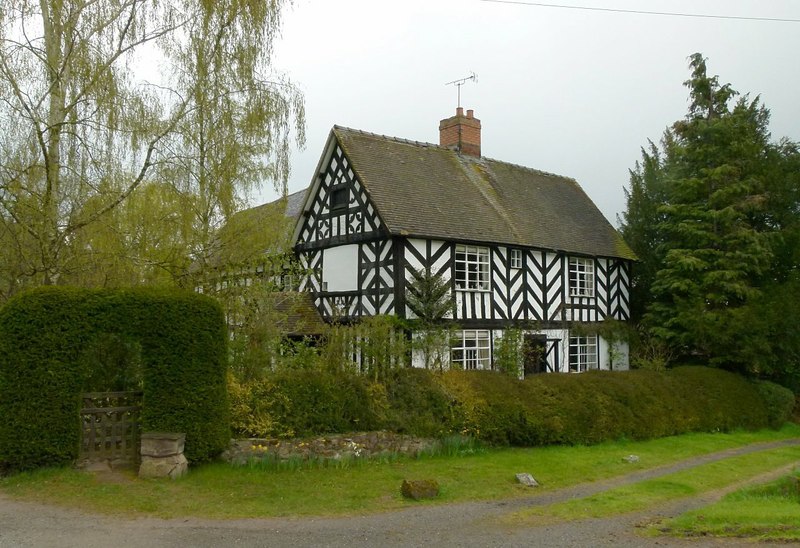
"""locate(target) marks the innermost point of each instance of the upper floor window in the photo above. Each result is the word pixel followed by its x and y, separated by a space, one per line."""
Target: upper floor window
pixel 515 258
pixel 471 349
pixel 472 268
pixel 340 197
pixel 582 353
pixel 581 277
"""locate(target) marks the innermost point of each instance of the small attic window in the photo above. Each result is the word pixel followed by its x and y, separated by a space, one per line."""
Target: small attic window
pixel 340 197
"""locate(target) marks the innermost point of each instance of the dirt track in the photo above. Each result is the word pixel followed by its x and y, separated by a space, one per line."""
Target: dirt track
pixel 473 524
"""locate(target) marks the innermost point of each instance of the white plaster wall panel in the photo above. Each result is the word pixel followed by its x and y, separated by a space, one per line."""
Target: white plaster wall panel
pixel 340 268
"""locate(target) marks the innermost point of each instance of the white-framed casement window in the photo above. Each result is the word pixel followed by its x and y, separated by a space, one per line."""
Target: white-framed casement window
pixel 471 349
pixel 472 268
pixel 581 277
pixel 582 353
pixel 515 258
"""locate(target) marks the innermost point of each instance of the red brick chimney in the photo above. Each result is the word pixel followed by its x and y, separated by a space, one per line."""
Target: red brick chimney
pixel 461 133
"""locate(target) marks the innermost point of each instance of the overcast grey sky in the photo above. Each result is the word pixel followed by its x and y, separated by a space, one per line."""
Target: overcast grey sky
pixel 572 92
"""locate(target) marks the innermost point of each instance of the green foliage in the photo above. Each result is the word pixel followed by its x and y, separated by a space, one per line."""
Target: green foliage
pixel 601 405
pixel 319 398
pixel 432 343
pixel 375 346
pixel 779 401
pixel 649 352
pixel 113 363
pixel 320 402
pixel 713 216
pixel 300 402
pixel 508 353
pixel 418 404
pixel 251 404
pixel 108 180
pixel 429 297
pixel 55 344
pixel 382 346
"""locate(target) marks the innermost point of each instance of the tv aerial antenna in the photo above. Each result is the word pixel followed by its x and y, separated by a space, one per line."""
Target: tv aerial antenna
pixel 460 82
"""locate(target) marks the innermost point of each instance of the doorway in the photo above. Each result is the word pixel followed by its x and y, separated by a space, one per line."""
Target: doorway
pixel 534 354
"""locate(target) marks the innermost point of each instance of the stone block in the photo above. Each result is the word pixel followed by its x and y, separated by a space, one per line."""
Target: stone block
pixel 527 480
pixel 420 489
pixel 173 467
pixel 162 444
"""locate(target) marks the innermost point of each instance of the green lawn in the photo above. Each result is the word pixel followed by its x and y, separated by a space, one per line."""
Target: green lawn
pixel 765 512
pixel 647 494
pixel 223 491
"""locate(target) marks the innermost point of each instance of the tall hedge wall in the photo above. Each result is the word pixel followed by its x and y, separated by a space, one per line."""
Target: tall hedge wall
pixel 43 338
pixel 604 405
pixel 545 409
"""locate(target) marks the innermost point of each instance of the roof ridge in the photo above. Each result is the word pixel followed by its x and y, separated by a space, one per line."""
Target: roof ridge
pixel 531 169
pixel 427 144
pixel 389 137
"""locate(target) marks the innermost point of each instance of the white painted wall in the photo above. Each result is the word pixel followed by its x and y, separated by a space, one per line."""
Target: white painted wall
pixel 619 353
pixel 340 268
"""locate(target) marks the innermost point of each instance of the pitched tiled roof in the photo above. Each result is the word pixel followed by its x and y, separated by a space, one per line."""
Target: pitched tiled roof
pixel 422 189
pixel 253 232
pixel 297 314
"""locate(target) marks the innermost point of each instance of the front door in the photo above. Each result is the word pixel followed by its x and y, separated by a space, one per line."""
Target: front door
pixel 534 354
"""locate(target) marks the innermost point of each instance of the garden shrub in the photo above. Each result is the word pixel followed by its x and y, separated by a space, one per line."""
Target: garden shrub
pixel 50 342
pixel 603 405
pixel 498 409
pixel 780 402
pixel 416 403
pixel 304 402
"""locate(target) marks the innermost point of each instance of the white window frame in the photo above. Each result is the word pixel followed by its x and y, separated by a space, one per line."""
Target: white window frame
pixel 472 271
pixel 515 258
pixel 581 277
pixel 582 353
pixel 472 349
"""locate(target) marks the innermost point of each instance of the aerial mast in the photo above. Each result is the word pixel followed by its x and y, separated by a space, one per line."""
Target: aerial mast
pixel 460 82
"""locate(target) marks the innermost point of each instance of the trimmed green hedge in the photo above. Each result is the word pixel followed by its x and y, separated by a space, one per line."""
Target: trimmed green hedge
pixel 298 403
pixel 546 409
pixel 603 405
pixel 304 402
pixel 44 336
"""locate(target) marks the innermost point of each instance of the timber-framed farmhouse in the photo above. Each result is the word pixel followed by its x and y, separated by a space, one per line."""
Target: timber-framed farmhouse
pixel 520 248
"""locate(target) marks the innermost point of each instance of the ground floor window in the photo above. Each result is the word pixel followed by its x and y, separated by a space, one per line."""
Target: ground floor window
pixel 582 353
pixel 471 349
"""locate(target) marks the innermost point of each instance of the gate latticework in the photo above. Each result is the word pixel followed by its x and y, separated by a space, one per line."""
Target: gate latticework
pixel 110 427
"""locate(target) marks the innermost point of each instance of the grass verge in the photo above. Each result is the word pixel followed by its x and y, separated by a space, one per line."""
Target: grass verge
pixel 646 494
pixel 766 512
pixel 223 491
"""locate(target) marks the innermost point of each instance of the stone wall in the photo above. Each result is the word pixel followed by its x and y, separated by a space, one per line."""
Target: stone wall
pixel 334 447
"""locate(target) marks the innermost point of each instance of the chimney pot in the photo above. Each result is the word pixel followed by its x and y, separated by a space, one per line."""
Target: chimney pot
pixel 460 133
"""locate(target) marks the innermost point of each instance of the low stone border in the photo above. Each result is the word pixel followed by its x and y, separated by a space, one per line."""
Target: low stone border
pixel 334 447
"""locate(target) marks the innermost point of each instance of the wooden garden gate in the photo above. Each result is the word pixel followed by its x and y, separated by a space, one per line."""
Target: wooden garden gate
pixel 110 427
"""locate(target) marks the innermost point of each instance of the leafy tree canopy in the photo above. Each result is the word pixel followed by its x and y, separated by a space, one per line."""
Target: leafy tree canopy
pixel 112 171
pixel 713 214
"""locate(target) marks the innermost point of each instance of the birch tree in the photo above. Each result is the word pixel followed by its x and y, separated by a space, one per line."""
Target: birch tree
pixel 83 132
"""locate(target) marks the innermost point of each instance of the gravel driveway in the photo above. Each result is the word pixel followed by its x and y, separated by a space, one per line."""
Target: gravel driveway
pixel 26 524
